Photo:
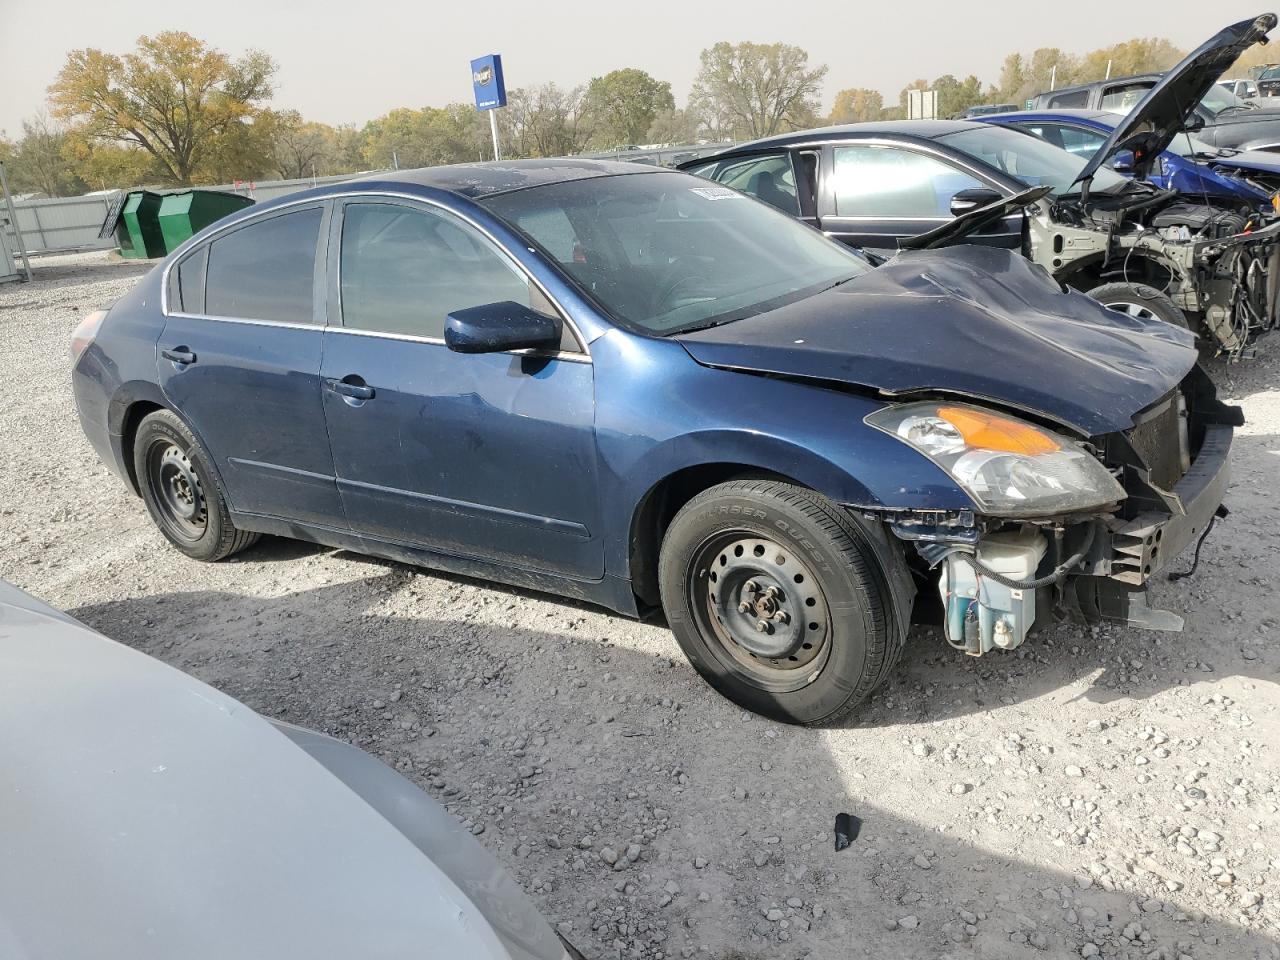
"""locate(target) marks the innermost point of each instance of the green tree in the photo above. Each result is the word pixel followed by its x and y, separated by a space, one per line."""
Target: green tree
pixel 956 96
pixel 174 97
pixel 109 166
pixel 856 105
pixel 1127 58
pixel 426 137
pixel 675 127
pixel 37 163
pixel 749 90
pixel 623 104
pixel 544 121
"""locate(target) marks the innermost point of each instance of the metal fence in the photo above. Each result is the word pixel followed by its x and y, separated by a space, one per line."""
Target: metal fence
pixel 73 223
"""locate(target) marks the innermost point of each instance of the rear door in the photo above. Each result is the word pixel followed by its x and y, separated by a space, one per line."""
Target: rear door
pixel 240 361
pixel 487 456
pixel 875 195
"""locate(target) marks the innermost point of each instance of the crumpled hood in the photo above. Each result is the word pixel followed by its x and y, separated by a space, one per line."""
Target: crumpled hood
pixel 1150 127
pixel 970 321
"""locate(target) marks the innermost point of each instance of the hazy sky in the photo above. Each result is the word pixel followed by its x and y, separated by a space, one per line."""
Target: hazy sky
pixel 351 61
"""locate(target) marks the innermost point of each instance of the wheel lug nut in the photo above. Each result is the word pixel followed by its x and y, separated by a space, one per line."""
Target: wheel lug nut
pixel 781 617
pixel 773 593
pixel 762 626
pixel 751 587
pixel 744 607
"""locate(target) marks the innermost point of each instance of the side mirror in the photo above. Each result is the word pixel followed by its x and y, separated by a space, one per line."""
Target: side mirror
pixel 498 327
pixel 967 201
pixel 1123 162
pixel 1193 123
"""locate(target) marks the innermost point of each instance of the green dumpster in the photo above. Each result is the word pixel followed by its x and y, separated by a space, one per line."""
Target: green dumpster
pixel 187 212
pixel 137 228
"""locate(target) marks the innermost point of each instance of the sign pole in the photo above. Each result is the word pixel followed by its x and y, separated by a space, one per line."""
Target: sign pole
pixel 493 127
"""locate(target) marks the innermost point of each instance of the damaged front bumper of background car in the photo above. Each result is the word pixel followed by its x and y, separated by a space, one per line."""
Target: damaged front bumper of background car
pixel 1001 575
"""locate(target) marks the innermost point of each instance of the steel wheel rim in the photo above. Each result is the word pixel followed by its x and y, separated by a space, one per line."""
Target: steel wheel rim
pixel 1136 310
pixel 760 610
pixel 176 491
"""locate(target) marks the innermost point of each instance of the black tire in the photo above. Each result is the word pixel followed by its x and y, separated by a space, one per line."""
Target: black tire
pixel 821 561
pixel 181 490
pixel 1140 300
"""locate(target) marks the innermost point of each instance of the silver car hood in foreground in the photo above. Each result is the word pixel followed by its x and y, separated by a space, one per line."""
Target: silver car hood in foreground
pixel 144 814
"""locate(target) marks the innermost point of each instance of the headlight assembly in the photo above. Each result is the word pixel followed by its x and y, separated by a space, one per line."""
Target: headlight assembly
pixel 1009 467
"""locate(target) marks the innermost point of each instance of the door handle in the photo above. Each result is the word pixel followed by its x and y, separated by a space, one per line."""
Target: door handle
pixel 182 355
pixel 358 390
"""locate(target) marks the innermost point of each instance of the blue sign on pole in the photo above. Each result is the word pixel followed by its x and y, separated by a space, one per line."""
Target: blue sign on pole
pixel 487 82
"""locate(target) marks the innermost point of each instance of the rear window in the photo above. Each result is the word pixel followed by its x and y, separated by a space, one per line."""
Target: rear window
pixel 264 271
pixel 1068 101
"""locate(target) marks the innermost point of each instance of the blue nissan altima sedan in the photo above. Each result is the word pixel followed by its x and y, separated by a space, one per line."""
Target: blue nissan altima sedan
pixel 635 387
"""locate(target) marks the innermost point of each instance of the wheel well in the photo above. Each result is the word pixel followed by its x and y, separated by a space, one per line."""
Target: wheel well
pixel 1086 274
pixel 129 429
pixel 658 508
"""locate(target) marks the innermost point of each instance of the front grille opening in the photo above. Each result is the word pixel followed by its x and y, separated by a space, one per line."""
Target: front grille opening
pixel 1160 438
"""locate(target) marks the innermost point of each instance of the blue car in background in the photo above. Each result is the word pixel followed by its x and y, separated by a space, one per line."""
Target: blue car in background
pixel 1189 165
pixel 635 387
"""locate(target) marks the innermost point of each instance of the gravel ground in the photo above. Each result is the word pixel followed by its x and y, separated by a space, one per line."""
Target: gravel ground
pixel 1106 792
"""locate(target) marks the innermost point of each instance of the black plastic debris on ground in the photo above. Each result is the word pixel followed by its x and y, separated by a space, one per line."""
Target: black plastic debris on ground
pixel 847 829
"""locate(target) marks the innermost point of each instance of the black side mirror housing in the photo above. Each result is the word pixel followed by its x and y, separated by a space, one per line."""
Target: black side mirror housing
pixel 1193 122
pixel 498 327
pixel 969 200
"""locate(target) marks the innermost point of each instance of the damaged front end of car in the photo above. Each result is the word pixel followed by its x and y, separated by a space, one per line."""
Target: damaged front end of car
pixel 1062 528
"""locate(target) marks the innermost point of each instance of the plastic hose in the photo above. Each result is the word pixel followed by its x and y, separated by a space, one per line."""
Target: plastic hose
pixel 1050 578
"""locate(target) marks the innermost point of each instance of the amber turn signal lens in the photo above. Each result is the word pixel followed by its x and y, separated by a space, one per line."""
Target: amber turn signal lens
pixel 990 431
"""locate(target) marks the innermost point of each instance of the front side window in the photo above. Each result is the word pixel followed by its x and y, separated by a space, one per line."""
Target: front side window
pixel 404 269
pixel 893 183
pixel 264 271
pixel 666 252
pixel 770 179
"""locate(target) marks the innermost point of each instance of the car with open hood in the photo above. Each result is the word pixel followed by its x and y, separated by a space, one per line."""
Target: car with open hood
pixel 147 816
pixel 1135 247
pixel 1244 181
pixel 634 387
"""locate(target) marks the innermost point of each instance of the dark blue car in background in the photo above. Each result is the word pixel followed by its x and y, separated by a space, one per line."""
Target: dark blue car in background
pixel 1189 165
pixel 638 388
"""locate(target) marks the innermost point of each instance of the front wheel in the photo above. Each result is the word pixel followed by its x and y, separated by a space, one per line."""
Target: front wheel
pixel 1141 301
pixel 780 599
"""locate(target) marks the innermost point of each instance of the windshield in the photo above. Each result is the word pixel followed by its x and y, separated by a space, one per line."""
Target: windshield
pixel 1219 99
pixel 1029 159
pixel 667 252
pixel 1270 73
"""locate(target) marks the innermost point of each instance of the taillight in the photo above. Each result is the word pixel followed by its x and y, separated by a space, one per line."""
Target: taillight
pixel 84 333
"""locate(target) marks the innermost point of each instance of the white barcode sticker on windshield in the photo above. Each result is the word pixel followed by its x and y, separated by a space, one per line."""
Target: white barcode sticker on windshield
pixel 716 193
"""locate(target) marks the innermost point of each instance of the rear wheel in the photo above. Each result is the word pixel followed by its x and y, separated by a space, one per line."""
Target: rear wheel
pixel 779 599
pixel 1140 301
pixel 181 490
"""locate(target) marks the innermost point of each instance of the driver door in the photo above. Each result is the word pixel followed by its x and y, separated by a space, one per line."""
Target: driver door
pixel 488 456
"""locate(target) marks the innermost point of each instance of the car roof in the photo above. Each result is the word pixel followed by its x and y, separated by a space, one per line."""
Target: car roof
pixel 479 180
pixel 917 129
pixel 1106 117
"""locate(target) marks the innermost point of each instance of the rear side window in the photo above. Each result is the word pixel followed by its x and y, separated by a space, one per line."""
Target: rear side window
pixel 264 271
pixel 1077 98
